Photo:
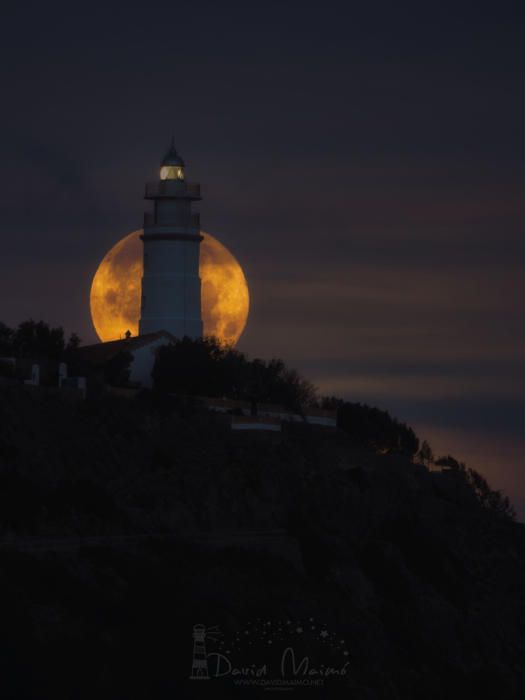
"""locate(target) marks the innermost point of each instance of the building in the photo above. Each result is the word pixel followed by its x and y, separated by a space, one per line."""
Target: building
pixel 142 348
pixel 171 286
pixel 41 372
pixel 248 415
pixel 258 423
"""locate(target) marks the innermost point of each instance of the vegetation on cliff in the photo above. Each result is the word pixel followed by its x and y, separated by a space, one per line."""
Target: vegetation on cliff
pixel 104 570
pixel 118 522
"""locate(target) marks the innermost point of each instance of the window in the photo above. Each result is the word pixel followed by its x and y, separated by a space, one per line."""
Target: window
pixel 172 172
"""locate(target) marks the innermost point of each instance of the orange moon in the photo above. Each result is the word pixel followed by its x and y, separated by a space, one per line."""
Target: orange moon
pixel 116 291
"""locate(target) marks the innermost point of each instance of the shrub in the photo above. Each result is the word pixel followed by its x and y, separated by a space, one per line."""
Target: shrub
pixel 205 367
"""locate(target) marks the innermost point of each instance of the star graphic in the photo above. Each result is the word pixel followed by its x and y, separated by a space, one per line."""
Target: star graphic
pixel 299 630
pixel 324 634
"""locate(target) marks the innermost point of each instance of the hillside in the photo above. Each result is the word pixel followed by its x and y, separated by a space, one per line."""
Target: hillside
pixel 120 522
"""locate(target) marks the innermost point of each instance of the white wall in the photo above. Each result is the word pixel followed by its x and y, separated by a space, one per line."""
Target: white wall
pixel 143 361
pixel 171 288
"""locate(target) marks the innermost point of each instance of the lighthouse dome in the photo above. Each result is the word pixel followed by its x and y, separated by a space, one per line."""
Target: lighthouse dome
pixel 172 157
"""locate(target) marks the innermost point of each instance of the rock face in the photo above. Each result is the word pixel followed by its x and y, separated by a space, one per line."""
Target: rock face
pixel 124 523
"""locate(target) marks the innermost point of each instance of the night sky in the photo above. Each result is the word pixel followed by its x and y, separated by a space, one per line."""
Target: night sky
pixel 364 163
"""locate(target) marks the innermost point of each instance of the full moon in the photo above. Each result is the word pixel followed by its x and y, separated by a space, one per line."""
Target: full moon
pixel 116 291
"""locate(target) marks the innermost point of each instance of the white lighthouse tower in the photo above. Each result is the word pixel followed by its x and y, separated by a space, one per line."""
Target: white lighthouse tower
pixel 171 286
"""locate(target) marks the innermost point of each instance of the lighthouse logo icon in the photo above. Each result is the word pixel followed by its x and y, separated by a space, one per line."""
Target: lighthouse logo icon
pixel 199 666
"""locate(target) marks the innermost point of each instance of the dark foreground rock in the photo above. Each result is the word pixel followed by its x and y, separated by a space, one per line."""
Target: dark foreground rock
pixel 126 523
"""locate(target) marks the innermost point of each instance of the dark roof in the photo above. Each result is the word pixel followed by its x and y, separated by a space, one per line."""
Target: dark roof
pixel 98 354
pixel 172 157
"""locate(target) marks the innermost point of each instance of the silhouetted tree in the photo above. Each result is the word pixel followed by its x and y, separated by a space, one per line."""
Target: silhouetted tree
pixel 190 367
pixel 73 343
pixel 6 340
pixel 206 367
pixel 450 463
pixel 331 403
pixel 117 369
pixel 372 427
pixel 489 498
pixel 35 339
pixel 70 356
pixel 425 454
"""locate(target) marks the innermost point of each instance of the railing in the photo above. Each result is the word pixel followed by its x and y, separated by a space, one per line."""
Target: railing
pixel 173 188
pixel 194 222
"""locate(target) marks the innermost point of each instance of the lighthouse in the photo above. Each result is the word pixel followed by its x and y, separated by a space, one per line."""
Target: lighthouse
pixel 171 286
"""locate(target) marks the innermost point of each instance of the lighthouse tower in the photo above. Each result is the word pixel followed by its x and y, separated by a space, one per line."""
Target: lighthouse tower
pixel 171 286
